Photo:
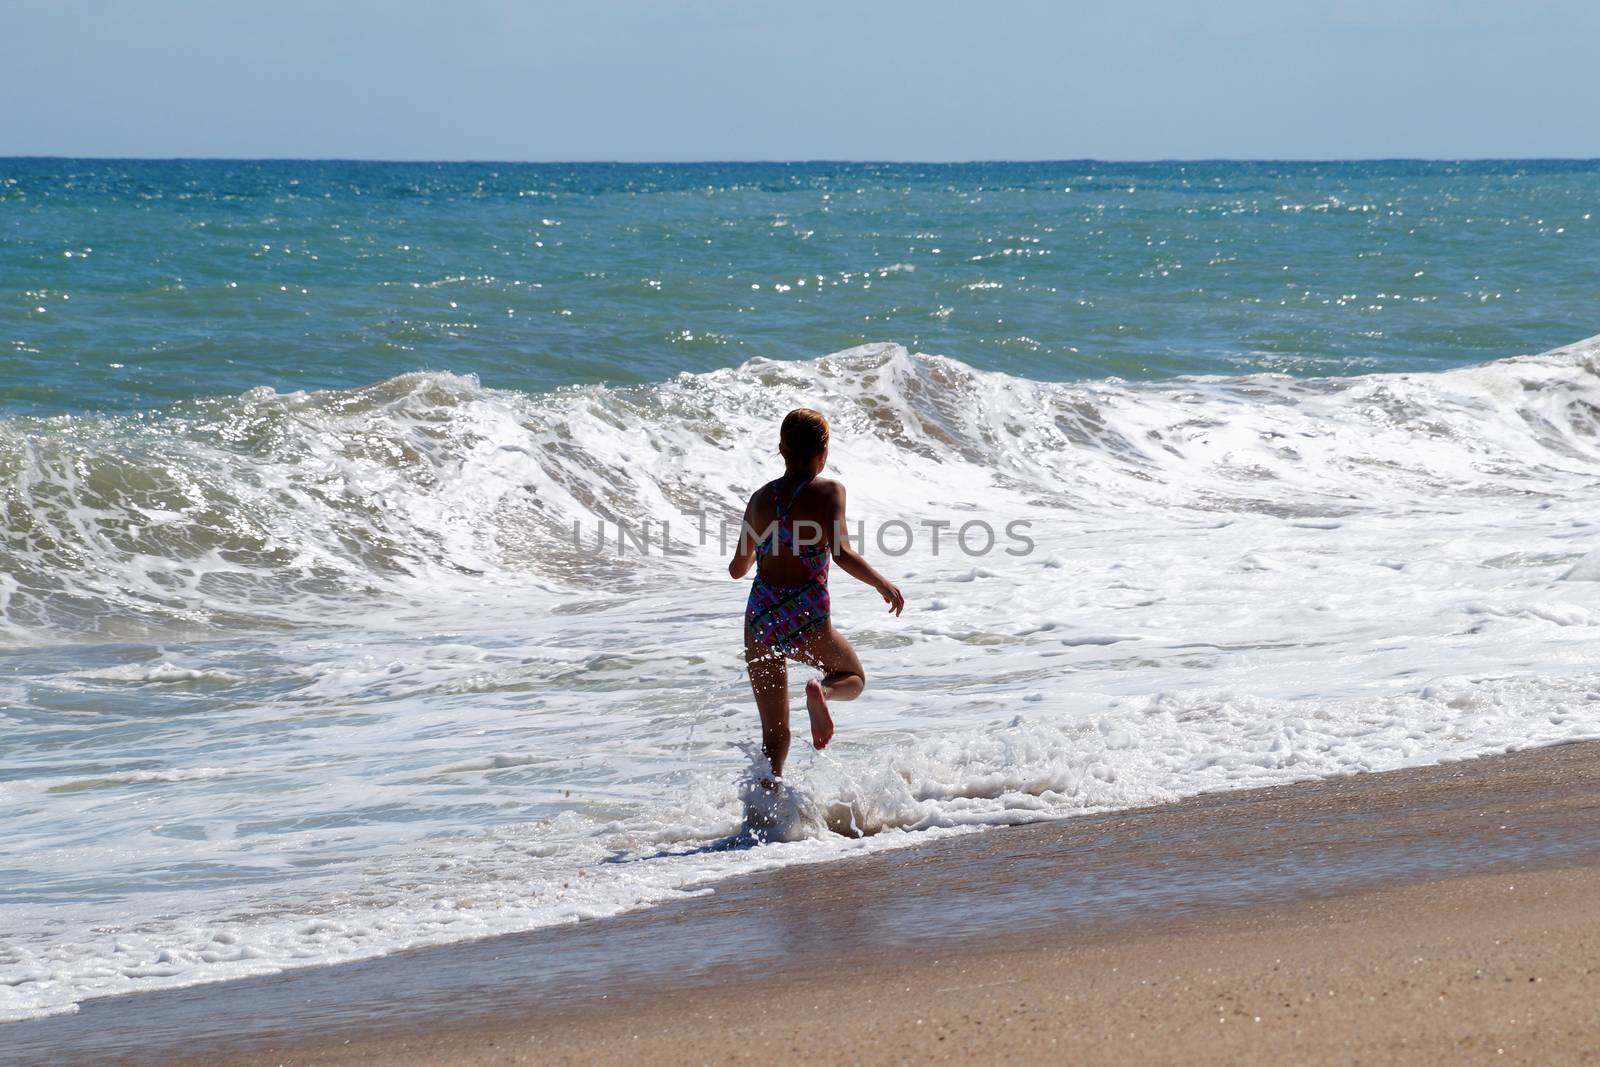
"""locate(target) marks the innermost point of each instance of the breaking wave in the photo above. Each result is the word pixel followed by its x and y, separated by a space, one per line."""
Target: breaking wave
pixel 272 510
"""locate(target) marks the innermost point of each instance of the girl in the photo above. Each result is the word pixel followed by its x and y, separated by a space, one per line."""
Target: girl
pixel 791 527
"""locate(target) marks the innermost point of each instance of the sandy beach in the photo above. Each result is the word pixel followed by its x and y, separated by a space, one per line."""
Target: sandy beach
pixel 1435 914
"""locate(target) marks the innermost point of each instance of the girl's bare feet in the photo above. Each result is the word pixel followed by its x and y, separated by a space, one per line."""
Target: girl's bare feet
pixel 821 721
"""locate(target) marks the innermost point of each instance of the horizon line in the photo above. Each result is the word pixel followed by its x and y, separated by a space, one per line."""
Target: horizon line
pixel 818 161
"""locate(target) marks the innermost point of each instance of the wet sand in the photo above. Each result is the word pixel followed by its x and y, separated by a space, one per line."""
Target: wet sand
pixel 1468 969
pixel 1439 914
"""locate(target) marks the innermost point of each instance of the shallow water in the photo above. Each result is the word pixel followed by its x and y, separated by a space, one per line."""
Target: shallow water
pixel 295 677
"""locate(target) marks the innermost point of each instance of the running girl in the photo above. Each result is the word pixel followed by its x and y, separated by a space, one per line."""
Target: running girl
pixel 791 528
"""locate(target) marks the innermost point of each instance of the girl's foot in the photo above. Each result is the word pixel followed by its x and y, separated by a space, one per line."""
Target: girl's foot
pixel 821 721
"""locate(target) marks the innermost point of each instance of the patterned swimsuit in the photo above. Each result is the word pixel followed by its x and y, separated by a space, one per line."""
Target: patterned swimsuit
pixel 780 616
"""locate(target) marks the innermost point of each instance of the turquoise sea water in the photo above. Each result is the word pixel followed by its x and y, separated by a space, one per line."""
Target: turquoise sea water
pixel 125 285
pixel 300 661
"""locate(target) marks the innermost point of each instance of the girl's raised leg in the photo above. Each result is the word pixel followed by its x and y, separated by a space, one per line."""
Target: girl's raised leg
pixel 843 678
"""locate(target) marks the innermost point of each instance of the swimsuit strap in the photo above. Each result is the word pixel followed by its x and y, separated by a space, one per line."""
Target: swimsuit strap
pixel 815 557
pixel 780 513
pixel 782 508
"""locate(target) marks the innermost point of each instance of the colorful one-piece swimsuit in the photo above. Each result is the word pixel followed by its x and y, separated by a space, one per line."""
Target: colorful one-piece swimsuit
pixel 780 616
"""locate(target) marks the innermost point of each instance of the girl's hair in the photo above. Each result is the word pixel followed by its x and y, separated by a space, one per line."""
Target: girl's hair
pixel 804 434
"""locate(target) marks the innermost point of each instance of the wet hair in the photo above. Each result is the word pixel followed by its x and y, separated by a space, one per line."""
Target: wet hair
pixel 804 434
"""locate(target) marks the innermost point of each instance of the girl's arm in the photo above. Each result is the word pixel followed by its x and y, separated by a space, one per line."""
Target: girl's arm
pixel 852 562
pixel 744 551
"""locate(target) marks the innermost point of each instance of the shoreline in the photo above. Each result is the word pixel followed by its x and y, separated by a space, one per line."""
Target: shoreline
pixel 1043 913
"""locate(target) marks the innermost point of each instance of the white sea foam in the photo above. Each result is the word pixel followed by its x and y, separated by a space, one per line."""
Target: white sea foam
pixel 383 700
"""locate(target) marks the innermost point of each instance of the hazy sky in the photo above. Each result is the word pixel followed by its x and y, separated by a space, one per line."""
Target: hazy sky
pixel 753 79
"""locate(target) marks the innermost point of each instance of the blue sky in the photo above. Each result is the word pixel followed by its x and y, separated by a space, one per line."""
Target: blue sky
pixel 869 79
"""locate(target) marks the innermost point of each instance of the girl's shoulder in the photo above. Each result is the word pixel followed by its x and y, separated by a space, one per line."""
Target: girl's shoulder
pixel 829 486
pixel 762 495
pixel 824 493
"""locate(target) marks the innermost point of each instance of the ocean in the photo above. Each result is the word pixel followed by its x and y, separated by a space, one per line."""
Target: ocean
pixel 362 551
